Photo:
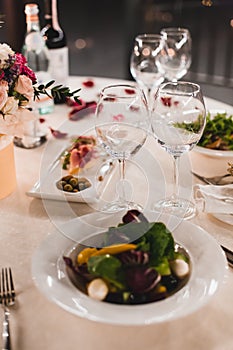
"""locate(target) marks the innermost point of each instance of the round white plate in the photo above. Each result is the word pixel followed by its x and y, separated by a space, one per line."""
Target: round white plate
pixel 213 152
pixel 208 263
pixel 227 218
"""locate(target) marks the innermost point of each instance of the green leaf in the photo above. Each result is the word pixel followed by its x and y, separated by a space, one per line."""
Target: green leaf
pixel 50 83
pixel 107 267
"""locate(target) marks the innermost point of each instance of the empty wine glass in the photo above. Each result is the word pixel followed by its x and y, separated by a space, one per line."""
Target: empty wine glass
pixel 145 64
pixel 177 54
pixel 121 126
pixel 178 120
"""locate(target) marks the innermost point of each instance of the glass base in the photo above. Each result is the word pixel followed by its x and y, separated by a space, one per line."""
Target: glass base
pixel 180 207
pixel 119 206
pixel 29 142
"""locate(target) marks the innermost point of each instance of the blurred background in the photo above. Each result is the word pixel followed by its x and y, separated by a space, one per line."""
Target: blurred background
pixel 100 35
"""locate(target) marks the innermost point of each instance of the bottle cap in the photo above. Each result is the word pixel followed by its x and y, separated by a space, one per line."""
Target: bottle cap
pixel 31 9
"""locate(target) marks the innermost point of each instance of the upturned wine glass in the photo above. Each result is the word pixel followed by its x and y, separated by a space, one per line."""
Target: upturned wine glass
pixel 121 125
pixel 177 56
pixel 178 119
pixel 145 65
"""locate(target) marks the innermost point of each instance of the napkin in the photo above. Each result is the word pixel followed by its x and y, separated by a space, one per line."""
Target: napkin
pixel 214 199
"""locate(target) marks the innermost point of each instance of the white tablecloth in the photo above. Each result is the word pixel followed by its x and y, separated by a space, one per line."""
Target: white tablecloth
pixel 37 323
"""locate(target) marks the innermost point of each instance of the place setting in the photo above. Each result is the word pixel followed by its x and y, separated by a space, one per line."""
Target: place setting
pixel 91 259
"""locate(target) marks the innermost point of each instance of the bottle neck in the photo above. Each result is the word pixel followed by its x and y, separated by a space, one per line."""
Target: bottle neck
pixel 51 16
pixel 33 24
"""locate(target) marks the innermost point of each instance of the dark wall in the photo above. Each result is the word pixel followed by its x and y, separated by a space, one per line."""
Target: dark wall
pixel 100 33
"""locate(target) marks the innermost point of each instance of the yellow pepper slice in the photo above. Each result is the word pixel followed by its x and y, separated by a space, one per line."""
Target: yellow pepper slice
pixel 86 253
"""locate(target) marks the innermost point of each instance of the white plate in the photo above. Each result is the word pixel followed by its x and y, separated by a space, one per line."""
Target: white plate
pixel 227 218
pixel 208 261
pixel 51 165
pixel 213 152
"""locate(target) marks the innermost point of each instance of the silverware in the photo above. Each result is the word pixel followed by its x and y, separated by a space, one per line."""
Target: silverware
pixel 215 180
pixel 229 255
pixel 7 298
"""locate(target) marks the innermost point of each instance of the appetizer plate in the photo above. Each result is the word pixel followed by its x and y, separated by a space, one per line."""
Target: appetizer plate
pixel 51 165
pixel 214 152
pixel 208 263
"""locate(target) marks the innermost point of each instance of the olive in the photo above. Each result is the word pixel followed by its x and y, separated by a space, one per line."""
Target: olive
pixel 73 182
pixel 67 178
pixel 61 184
pixel 68 188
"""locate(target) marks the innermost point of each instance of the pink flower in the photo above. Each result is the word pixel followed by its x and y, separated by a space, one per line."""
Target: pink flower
pixel 24 87
pixel 3 93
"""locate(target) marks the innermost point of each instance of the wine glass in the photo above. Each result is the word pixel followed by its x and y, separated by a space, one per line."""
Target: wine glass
pixel 178 119
pixel 177 54
pixel 145 64
pixel 121 125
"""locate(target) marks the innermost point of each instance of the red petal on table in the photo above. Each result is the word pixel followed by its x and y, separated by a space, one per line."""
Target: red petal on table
pixel 41 120
pixel 167 101
pixel 130 91
pixel 176 103
pixel 78 113
pixel 134 108
pixel 118 117
pixel 72 103
pixel 88 83
pixel 58 134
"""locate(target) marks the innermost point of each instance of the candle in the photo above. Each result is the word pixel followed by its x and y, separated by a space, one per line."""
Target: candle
pixel 7 166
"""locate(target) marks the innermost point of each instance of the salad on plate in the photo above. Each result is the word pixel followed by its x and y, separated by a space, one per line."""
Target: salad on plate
pixel 137 262
pixel 218 132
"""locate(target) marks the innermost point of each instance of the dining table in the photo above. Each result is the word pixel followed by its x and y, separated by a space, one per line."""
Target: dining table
pixel 37 321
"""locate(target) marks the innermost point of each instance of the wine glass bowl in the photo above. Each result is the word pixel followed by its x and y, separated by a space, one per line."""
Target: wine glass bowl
pixel 178 120
pixel 121 127
pixel 145 64
pixel 177 56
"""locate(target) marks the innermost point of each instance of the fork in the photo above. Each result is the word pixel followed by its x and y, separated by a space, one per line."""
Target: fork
pixel 215 180
pixel 7 298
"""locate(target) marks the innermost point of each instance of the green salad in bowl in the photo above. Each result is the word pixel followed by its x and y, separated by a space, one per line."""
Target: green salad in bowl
pixel 135 262
pixel 218 132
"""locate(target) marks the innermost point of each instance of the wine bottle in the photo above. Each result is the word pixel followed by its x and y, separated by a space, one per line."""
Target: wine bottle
pixel 37 55
pixel 55 40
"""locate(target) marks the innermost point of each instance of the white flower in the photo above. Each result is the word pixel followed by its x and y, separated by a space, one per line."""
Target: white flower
pixel 3 93
pixel 10 107
pixel 5 51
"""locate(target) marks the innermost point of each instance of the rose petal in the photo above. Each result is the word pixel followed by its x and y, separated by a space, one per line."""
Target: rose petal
pixel 78 113
pixel 167 101
pixel 88 83
pixel 58 134
pixel 130 91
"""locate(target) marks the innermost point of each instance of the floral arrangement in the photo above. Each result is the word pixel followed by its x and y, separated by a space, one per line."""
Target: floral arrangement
pixel 18 90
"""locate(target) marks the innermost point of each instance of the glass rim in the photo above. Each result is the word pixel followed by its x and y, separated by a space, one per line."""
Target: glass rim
pixel 120 86
pixel 181 83
pixel 175 30
pixel 148 36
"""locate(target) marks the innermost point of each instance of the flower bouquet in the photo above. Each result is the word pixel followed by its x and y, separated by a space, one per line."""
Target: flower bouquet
pixel 18 90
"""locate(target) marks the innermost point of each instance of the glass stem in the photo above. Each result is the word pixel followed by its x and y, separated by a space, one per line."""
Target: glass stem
pixel 121 192
pixel 176 161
